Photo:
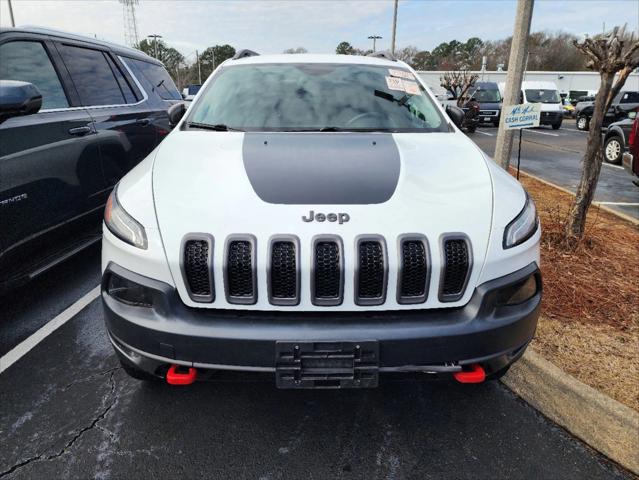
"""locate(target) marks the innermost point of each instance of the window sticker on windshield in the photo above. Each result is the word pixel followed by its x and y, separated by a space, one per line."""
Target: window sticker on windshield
pixel 395 83
pixel 411 88
pixel 401 74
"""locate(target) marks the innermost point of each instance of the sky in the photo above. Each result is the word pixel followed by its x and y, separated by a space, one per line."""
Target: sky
pixel 271 26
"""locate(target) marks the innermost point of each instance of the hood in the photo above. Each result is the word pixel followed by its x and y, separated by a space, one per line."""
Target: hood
pixel 269 184
pixel 490 105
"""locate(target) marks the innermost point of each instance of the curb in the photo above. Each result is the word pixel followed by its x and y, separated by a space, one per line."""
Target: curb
pixel 621 215
pixel 603 423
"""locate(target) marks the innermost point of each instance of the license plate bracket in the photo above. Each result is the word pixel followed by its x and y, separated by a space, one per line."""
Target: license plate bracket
pixel 327 364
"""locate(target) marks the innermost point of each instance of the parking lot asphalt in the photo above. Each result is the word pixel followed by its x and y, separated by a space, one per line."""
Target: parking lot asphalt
pixel 555 156
pixel 69 411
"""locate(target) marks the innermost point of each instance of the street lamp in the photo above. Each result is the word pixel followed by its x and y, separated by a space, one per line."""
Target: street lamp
pixel 374 38
pixel 155 37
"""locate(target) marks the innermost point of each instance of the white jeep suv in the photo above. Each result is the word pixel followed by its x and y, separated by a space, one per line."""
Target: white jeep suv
pixel 322 219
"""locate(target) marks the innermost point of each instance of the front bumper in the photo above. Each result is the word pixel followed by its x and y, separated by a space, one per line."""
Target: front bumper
pixel 441 340
pixel 551 118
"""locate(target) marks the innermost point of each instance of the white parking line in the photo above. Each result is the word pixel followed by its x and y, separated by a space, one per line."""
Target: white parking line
pixel 613 166
pixel 20 350
pixel 626 204
pixel 544 133
pixel 485 133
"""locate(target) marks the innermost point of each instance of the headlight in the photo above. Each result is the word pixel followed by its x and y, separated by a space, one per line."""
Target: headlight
pixel 523 226
pixel 123 225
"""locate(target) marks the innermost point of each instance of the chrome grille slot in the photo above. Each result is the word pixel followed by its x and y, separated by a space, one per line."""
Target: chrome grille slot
pixel 284 273
pixel 327 277
pixel 414 265
pixel 197 267
pixel 239 270
pixel 371 272
pixel 457 259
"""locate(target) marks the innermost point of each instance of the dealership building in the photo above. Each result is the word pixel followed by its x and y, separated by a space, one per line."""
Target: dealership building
pixel 572 84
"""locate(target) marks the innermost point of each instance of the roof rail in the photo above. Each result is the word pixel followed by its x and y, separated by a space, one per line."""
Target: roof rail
pixel 245 53
pixel 383 54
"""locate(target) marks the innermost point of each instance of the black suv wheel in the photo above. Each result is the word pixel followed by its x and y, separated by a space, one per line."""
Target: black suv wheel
pixel 583 122
pixel 613 149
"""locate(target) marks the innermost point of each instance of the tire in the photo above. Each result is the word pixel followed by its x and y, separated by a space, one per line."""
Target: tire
pixel 557 125
pixel 613 150
pixel 496 124
pixel 138 374
pixel 471 129
pixel 583 122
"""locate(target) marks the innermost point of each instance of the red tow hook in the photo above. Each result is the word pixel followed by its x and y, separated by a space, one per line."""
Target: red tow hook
pixel 475 375
pixel 175 377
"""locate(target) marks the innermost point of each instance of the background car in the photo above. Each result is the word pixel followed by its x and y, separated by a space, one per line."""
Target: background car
pixel 616 139
pixel 624 102
pixel 630 159
pixel 489 98
pixel 76 114
pixel 189 92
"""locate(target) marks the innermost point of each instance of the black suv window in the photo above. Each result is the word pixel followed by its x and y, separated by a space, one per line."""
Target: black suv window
pixel 630 97
pixel 28 61
pixel 157 78
pixel 93 77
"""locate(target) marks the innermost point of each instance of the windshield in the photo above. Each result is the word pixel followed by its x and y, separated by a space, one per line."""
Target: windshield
pixel 193 89
pixel 487 96
pixel 542 96
pixel 314 96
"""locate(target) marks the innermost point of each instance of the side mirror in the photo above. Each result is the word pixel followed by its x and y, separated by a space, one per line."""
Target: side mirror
pixel 176 112
pixel 18 98
pixel 456 114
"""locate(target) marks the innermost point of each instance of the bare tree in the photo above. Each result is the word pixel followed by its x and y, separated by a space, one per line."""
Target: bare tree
pixel 610 54
pixel 458 83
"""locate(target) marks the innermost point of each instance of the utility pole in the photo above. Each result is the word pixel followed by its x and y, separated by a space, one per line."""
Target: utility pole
pixel 155 37
pixel 374 38
pixel 13 22
pixel 394 27
pixel 199 70
pixel 514 77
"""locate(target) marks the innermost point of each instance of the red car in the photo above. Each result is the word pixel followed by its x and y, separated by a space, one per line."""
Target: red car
pixel 631 157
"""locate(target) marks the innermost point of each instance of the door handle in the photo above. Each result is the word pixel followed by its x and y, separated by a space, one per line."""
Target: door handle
pixel 80 130
pixel 143 121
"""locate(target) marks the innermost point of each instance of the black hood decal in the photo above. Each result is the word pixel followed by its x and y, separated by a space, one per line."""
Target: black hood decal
pixel 322 168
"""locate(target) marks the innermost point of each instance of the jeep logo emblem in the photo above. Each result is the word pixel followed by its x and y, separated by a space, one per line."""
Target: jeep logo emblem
pixel 331 217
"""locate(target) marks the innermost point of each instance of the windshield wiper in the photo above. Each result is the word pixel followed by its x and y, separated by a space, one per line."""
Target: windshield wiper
pixel 218 127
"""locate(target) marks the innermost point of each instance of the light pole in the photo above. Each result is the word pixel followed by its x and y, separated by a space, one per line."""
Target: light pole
pixel 374 38
pixel 13 22
pixel 394 27
pixel 155 37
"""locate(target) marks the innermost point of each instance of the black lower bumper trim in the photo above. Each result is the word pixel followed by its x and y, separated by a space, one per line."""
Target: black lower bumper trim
pixel 247 340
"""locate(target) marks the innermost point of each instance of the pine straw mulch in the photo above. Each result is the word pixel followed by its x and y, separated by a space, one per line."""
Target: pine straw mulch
pixel 590 309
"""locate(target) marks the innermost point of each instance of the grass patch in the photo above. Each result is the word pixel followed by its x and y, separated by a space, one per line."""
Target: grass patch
pixel 590 309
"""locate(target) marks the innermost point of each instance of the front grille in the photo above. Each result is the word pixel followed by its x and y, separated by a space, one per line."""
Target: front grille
pixel 196 266
pixel 413 275
pixel 370 283
pixel 283 269
pixel 328 271
pixel 284 272
pixel 240 271
pixel 456 269
pixel 488 113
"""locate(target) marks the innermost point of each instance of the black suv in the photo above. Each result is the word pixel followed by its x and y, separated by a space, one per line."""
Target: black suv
pixel 623 103
pixel 76 114
pixel 616 139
